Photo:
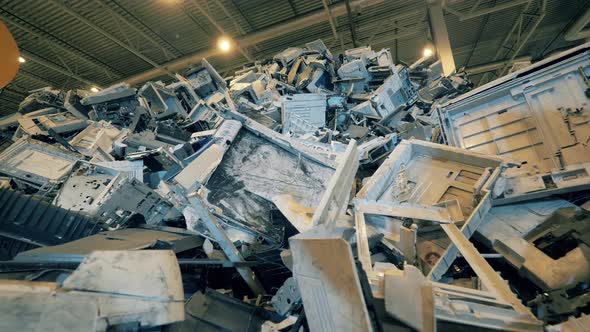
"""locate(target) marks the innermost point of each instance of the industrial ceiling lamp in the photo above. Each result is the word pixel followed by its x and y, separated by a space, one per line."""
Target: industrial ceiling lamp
pixel 94 89
pixel 224 44
pixel 428 50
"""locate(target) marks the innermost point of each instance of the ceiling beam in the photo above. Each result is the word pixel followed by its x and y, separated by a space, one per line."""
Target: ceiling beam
pixel 219 27
pixel 351 23
pixel 253 38
pixel 142 33
pixel 333 23
pixel 576 31
pixel 382 37
pixel 45 36
pixel 234 21
pixel 521 41
pixel 107 35
pixel 516 34
pixel 53 66
pixel 496 65
pixel 473 13
pixel 438 27
pixel 34 77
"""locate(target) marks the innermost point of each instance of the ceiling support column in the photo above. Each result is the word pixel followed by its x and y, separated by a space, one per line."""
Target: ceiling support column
pixel 440 34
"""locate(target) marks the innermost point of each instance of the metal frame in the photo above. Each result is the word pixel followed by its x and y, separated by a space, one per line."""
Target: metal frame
pixel 254 38
pixel 475 12
pixel 519 34
pixel 440 33
pixel 328 11
pixel 118 16
pixel 112 38
pixel 576 31
pixel 55 42
pixel 219 27
pixel 233 254
pixel 386 175
pixel 335 198
pixel 55 67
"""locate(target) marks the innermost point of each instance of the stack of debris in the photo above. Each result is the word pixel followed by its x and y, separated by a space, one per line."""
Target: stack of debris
pixel 308 191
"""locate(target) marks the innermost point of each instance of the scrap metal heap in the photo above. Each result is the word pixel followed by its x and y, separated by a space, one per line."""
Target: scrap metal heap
pixel 309 191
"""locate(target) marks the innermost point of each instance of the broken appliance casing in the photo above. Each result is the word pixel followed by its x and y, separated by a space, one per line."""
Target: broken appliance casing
pixel 538 116
pixel 430 174
pixel 110 195
pixel 41 121
pixel 330 287
pixel 394 94
pixel 118 104
pixel 25 221
pixel 547 242
pixel 36 163
pixel 109 289
pixel 303 113
pixel 96 141
pixel 259 166
pixel 162 101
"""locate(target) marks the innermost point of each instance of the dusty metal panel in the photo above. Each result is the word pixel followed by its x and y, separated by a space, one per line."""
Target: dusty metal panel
pixel 121 239
pixel 546 241
pixel 537 115
pixel 113 288
pixel 336 197
pixel 36 123
pixel 30 220
pixel 23 159
pixel 475 308
pixel 302 113
pixel 198 211
pixel 330 288
pixel 110 195
pixel 431 174
pixel 255 170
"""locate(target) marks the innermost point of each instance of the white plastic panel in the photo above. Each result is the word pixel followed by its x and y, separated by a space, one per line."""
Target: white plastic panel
pixel 538 115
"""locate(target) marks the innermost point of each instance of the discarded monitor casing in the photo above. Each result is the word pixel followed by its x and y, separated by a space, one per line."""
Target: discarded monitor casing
pixel 303 113
pixel 39 122
pixel 547 242
pixel 36 163
pixel 538 116
pixel 250 167
pixel 429 174
pixel 108 289
pixel 394 94
pixel 96 140
pixel 110 195
pixel 118 104
pixel 162 102
pixel 185 93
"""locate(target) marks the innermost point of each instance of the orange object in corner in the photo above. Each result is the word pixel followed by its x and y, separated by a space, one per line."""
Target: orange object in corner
pixel 9 55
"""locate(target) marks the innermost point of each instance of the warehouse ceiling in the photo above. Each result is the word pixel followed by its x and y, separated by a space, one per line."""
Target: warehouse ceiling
pixel 86 43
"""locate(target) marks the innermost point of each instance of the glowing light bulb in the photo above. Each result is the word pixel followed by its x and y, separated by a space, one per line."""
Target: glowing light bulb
pixel 427 52
pixel 21 59
pixel 224 44
pixel 94 89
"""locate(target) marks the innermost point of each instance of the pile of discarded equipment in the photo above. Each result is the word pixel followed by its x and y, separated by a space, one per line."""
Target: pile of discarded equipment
pixel 309 191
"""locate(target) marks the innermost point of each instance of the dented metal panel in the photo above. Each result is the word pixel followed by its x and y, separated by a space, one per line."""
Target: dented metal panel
pixel 436 175
pixel 537 115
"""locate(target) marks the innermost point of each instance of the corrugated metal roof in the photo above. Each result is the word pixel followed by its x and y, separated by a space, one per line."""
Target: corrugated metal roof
pixel 165 30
